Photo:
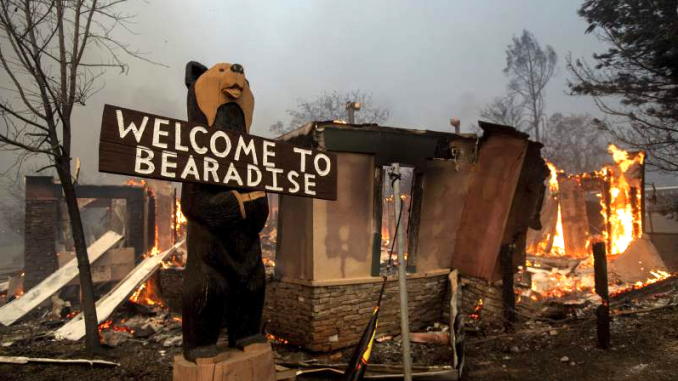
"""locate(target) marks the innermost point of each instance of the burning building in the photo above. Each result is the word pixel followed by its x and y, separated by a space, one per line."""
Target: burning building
pixel 580 209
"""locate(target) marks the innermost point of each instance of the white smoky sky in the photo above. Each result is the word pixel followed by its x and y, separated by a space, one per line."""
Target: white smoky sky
pixel 425 60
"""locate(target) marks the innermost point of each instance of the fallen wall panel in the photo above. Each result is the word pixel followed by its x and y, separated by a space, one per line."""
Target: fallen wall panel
pixel 75 329
pixel 13 311
pixel 483 221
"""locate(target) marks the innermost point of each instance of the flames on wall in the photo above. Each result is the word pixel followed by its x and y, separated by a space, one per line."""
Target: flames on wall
pixel 555 272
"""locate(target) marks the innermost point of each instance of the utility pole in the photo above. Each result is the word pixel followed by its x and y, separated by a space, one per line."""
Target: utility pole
pixel 456 123
pixel 402 277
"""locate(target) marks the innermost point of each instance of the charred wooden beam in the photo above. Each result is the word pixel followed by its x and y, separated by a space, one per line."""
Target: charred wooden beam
pixel 635 210
pixel 414 219
pixel 603 311
pixel 508 295
pixel 377 210
pixel 608 210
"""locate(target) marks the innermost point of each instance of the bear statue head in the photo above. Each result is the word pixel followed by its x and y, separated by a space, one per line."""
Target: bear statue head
pixel 222 84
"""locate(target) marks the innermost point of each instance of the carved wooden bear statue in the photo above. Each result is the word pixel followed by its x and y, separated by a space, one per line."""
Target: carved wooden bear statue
pixel 224 277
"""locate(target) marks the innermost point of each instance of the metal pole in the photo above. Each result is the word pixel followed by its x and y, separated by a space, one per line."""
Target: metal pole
pixel 402 279
pixel 351 117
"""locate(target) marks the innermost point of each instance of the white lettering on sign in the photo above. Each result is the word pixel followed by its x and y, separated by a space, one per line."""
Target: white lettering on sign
pixel 310 183
pixel 232 175
pixel 250 170
pixel 158 147
pixel 144 161
pixel 177 139
pixel 328 164
pixel 213 144
pixel 194 144
pixel 211 167
pixel 166 164
pixel 157 132
pixel 138 132
pixel 302 157
pixel 274 187
pixel 191 169
pixel 248 149
pixel 269 151
pixel 292 176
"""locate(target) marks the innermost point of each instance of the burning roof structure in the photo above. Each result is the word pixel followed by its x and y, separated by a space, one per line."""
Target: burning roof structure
pixel 579 209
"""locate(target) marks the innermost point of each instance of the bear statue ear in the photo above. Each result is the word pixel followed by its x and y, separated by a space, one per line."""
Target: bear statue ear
pixel 193 71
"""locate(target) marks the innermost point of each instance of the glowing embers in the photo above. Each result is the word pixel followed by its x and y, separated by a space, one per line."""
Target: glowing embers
pixel 477 310
pixel 658 275
pixel 277 340
pixel 109 325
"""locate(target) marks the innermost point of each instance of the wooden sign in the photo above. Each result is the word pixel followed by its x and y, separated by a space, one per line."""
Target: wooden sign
pixel 146 145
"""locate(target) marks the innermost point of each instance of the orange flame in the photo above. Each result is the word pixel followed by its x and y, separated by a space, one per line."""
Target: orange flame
pixel 621 202
pixel 623 219
pixel 136 182
pixel 180 221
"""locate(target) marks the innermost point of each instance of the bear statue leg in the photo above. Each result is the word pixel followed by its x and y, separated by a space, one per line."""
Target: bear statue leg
pixel 203 306
pixel 245 304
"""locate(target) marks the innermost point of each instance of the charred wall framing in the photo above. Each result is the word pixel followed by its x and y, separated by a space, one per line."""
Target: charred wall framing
pixel 44 218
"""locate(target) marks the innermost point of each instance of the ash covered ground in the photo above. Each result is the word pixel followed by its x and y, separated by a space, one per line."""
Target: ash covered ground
pixel 644 347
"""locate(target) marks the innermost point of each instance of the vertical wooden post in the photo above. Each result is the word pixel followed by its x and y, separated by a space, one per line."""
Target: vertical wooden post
pixel 414 218
pixel 603 311
pixel 508 295
pixel 608 210
pixel 175 221
pixel 635 210
pixel 377 211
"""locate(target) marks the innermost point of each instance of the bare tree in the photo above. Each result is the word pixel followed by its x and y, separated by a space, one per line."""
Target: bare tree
pixel 333 107
pixel 12 205
pixel 504 111
pixel 574 144
pixel 45 54
pixel 530 68
pixel 277 128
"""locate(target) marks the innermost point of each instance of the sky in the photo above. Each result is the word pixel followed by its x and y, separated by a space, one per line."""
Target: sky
pixel 424 60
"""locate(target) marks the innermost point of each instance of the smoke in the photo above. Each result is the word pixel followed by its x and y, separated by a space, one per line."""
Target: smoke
pixel 426 61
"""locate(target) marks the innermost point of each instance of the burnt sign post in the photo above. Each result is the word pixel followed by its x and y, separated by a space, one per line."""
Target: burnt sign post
pixel 145 145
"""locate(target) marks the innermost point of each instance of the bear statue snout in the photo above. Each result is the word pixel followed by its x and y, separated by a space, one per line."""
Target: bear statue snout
pixel 237 68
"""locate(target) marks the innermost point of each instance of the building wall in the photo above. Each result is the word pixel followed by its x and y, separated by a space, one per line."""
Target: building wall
pixel 495 177
pixel 445 189
pixel 40 259
pixel 294 242
pixel 343 229
pixel 42 214
pixel 325 318
pixel 330 240
pixel 474 289
pixel 667 246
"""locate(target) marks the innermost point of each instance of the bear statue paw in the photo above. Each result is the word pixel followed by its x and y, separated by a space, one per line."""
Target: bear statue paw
pixel 249 340
pixel 201 352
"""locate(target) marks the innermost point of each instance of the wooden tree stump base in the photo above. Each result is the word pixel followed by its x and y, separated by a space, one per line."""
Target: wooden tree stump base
pixel 254 363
